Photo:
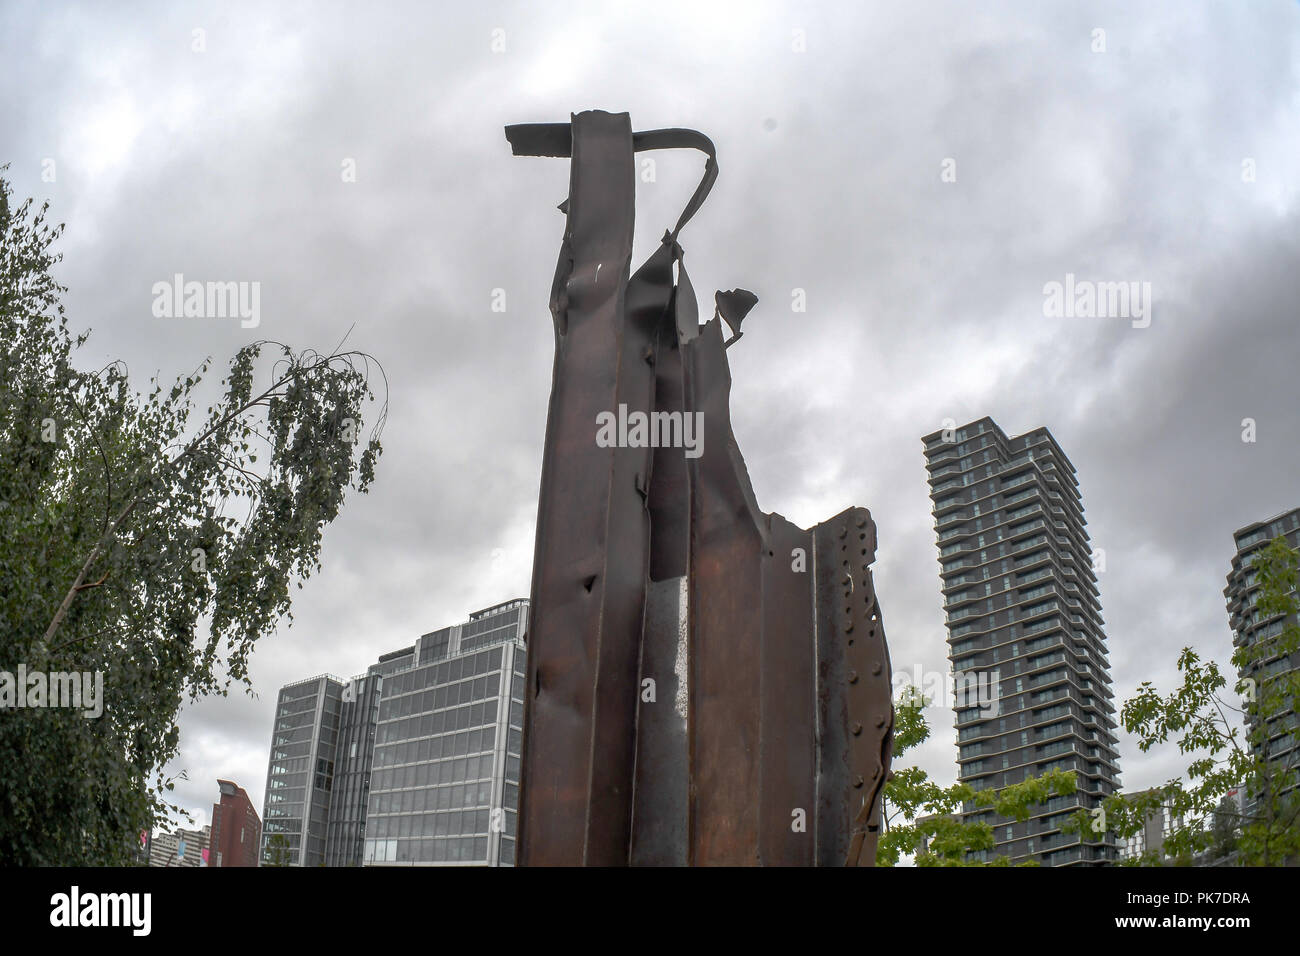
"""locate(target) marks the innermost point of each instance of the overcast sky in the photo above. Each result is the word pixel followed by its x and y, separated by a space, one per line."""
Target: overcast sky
pixel 1171 156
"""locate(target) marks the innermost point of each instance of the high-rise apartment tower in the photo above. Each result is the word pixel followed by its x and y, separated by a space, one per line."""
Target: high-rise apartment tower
pixel 1025 632
pixel 1249 626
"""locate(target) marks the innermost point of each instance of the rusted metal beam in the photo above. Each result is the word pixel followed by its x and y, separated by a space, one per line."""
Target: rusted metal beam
pixel 707 684
pixel 593 532
pixel 855 717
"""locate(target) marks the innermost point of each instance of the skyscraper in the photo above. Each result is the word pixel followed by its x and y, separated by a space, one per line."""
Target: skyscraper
pixel 422 765
pixel 300 773
pixel 445 784
pixel 1024 632
pixel 355 753
pixel 1249 626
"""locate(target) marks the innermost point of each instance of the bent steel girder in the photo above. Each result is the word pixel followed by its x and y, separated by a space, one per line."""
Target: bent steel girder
pixel 593 533
pixel 707 684
pixel 791 711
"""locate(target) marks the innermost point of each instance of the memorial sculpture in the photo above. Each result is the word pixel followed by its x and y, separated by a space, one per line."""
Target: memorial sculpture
pixel 707 684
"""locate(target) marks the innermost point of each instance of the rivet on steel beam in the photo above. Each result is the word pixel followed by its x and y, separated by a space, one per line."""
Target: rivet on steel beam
pixel 856 728
pixel 853 677
pixel 875 667
pixel 858 781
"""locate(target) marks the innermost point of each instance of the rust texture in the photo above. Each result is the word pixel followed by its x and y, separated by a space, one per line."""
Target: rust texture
pixel 707 684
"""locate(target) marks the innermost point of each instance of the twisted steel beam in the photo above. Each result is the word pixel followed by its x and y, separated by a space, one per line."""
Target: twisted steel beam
pixel 707 684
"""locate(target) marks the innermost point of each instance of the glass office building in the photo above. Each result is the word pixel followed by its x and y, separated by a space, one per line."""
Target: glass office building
pixel 416 762
pixel 358 715
pixel 300 774
pixel 445 783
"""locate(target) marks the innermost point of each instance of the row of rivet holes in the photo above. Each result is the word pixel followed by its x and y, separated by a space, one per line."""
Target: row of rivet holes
pixel 861 522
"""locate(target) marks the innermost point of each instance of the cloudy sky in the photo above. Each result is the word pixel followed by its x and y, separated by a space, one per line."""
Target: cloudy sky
pixel 1163 149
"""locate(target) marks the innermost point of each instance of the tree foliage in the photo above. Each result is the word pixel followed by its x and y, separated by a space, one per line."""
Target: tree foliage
pixel 143 541
pixel 278 851
pixel 1246 741
pixel 920 813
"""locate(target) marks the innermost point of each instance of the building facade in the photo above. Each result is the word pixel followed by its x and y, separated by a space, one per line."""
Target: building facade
pixel 184 848
pixel 1025 636
pixel 358 715
pixel 445 784
pixel 421 752
pixel 236 829
pixel 1250 627
pixel 1157 826
pixel 300 773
